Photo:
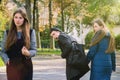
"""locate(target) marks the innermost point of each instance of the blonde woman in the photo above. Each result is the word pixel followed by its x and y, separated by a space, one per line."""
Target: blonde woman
pixel 18 46
pixel 101 52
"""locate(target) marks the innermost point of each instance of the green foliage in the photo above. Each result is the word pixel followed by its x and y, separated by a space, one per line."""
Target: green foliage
pixel 1 37
pixel 88 39
pixel 3 21
pixel 1 62
pixel 45 43
pixel 4 16
pixel 98 8
pixel 87 20
pixel 87 10
pixel 117 40
pixel 45 38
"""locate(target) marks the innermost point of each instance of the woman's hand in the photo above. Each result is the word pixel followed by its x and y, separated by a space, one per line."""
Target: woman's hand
pixel 8 63
pixel 25 51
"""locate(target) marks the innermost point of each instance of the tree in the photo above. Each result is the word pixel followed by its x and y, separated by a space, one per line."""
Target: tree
pixel 4 16
pixel 36 22
pixel 52 44
pixel 79 13
pixel 98 8
pixel 37 27
pixel 62 14
pixel 34 9
pixel 28 8
pixel 63 5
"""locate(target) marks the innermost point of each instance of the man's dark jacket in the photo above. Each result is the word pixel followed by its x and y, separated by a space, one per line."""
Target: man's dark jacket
pixel 64 42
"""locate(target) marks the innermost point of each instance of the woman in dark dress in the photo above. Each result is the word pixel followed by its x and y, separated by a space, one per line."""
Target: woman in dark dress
pixel 18 46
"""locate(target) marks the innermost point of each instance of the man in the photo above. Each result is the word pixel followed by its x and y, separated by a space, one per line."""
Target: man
pixel 65 44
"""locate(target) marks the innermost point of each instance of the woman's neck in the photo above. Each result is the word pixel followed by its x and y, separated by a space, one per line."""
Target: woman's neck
pixel 19 29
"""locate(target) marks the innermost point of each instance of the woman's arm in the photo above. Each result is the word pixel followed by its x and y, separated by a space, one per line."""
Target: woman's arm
pixel 92 51
pixel 33 45
pixel 3 54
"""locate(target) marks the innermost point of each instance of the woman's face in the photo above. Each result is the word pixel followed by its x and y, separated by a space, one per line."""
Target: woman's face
pixel 96 27
pixel 18 19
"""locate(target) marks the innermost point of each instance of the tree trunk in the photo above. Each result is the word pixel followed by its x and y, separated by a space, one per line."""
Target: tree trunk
pixel 52 44
pixel 37 26
pixel 62 14
pixel 36 22
pixel 28 9
pixel 34 4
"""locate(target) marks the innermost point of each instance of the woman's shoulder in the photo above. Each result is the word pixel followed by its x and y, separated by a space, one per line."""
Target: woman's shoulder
pixel 32 31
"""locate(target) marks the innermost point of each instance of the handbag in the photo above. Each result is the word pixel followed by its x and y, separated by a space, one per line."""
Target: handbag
pixel 77 57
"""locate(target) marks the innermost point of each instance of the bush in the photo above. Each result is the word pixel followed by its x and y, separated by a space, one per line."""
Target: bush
pixel 1 62
pixel 88 39
pixel 45 43
pixel 117 40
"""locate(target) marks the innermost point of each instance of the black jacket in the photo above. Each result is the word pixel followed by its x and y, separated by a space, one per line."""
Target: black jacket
pixel 64 42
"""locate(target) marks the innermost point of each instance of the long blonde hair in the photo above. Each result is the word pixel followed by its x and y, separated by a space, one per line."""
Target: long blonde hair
pixel 12 34
pixel 104 31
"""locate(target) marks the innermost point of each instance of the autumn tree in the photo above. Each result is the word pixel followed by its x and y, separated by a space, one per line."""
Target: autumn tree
pixel 50 23
pixel 4 16
pixel 36 22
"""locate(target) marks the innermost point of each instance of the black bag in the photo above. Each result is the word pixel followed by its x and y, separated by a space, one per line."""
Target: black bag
pixel 77 58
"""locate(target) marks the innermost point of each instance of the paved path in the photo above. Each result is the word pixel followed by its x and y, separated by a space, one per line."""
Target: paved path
pixel 54 69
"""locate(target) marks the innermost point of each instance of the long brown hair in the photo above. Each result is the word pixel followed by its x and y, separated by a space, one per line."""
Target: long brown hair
pixel 103 32
pixel 12 34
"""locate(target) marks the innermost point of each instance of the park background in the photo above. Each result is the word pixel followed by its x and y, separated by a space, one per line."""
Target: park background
pixel 72 16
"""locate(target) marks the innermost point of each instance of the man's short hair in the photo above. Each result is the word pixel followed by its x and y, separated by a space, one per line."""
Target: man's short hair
pixel 55 29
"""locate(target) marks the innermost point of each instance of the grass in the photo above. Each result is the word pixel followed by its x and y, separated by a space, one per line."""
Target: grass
pixel 48 52
pixel 1 62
